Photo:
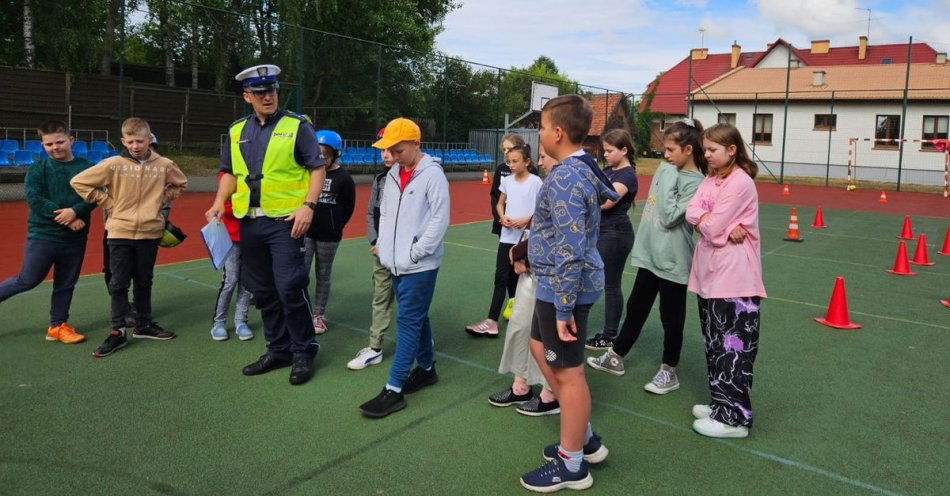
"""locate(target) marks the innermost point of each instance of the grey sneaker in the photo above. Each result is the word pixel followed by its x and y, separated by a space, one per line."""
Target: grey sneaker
pixel 664 381
pixel 609 362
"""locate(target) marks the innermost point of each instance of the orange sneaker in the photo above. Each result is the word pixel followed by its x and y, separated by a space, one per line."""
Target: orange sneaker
pixel 68 334
pixel 52 333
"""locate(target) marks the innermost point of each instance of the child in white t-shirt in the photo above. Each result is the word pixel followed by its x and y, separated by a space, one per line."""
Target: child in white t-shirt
pixel 519 193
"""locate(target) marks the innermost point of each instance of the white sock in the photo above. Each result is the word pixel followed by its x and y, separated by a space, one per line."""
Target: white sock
pixel 572 459
pixel 589 434
pixel 394 388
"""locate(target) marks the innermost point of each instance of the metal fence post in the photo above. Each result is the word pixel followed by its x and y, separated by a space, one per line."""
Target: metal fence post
pixel 379 65
pixel 445 100
pixel 301 78
pixel 121 107
pixel 788 79
pixel 689 84
pixel 900 154
pixel 830 129
pixel 501 117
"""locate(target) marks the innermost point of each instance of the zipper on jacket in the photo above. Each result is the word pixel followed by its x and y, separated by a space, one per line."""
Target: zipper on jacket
pixel 396 227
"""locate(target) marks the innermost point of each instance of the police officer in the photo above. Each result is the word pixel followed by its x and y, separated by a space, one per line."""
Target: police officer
pixel 273 173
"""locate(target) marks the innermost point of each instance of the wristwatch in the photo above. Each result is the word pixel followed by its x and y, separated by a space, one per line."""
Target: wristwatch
pixel 312 205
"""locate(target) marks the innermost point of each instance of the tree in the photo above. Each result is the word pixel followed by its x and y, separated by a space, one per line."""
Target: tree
pixel 29 49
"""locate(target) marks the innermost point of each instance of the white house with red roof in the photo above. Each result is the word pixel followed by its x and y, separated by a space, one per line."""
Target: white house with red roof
pixel 668 93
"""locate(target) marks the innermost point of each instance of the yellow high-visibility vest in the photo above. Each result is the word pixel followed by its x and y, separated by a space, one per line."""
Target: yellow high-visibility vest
pixel 285 182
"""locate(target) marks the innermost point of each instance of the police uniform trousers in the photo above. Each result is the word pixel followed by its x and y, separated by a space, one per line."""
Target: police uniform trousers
pixel 272 269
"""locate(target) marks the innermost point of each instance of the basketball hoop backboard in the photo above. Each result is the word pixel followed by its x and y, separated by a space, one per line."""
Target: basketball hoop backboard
pixel 540 94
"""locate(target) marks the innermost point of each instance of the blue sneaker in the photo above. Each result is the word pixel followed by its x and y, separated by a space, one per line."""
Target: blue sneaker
pixel 219 332
pixel 243 331
pixel 594 450
pixel 554 476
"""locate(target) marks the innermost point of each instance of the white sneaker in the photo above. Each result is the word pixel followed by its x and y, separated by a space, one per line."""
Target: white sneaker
pixel 702 411
pixel 711 428
pixel 319 324
pixel 484 328
pixel 664 381
pixel 366 357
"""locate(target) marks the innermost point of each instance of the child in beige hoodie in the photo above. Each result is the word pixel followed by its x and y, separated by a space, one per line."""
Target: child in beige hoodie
pixel 133 187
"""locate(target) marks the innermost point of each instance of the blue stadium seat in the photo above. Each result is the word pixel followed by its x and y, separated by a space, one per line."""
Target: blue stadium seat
pixel 34 146
pixel 23 158
pixel 8 148
pixel 5 161
pixel 100 146
pixel 80 148
pixel 95 156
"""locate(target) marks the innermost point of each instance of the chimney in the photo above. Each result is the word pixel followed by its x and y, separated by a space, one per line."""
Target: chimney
pixel 818 78
pixel 942 58
pixel 736 50
pixel 820 46
pixel 862 47
pixel 699 53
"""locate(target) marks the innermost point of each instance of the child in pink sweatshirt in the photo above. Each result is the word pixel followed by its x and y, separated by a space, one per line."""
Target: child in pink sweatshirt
pixel 727 277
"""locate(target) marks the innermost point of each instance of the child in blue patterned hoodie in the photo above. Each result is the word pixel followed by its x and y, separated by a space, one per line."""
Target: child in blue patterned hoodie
pixel 562 251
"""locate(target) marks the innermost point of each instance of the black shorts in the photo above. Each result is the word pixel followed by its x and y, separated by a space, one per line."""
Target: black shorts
pixel 557 353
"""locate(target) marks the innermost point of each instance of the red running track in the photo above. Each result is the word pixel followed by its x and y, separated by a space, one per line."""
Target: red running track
pixel 469 204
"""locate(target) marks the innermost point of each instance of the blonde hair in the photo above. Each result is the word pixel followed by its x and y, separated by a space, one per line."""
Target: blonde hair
pixel 136 126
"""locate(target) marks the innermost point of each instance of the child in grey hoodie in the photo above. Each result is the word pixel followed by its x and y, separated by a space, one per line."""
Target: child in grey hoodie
pixel 414 215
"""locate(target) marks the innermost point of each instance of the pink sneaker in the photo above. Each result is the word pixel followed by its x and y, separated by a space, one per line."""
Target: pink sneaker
pixel 485 328
pixel 319 324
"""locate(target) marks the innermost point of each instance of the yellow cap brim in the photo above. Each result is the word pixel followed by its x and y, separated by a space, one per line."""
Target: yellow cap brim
pixel 385 143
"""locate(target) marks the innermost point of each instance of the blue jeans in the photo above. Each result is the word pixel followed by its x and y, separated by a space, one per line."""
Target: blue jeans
pixel 414 333
pixel 38 256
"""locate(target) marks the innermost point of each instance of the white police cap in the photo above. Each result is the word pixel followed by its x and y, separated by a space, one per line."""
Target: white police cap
pixel 259 78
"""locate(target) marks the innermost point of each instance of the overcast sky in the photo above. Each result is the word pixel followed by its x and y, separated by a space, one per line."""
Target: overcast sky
pixel 623 44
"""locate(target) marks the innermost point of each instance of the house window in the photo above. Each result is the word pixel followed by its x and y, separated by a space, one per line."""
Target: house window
pixel 826 122
pixel 935 127
pixel 887 131
pixel 727 119
pixel 762 129
pixel 887 60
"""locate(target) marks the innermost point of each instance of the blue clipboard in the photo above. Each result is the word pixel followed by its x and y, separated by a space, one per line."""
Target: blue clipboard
pixel 217 241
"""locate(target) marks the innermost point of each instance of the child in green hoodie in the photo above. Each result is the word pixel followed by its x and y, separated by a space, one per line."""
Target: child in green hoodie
pixel 663 252
pixel 57 227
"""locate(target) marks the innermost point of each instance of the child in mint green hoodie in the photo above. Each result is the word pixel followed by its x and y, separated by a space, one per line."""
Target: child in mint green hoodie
pixel 57 229
pixel 663 251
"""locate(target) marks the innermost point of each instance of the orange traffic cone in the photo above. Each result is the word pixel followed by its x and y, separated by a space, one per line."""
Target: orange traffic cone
pixel 837 314
pixel 901 267
pixel 485 179
pixel 793 234
pixel 785 191
pixel 883 198
pixel 906 231
pixel 920 254
pixel 945 251
pixel 819 222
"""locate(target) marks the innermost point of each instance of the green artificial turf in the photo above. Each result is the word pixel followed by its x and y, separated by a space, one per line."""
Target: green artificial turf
pixel 837 412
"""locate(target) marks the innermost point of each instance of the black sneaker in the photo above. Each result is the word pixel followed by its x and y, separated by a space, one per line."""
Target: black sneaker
pixel 386 402
pixel 599 342
pixel 594 450
pixel 537 408
pixel 152 331
pixel 509 398
pixel 112 343
pixel 420 378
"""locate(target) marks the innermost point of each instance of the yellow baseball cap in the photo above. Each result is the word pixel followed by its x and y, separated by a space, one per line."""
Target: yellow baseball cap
pixel 399 129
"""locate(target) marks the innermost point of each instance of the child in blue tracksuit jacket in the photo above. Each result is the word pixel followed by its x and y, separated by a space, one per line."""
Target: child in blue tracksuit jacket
pixel 562 252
